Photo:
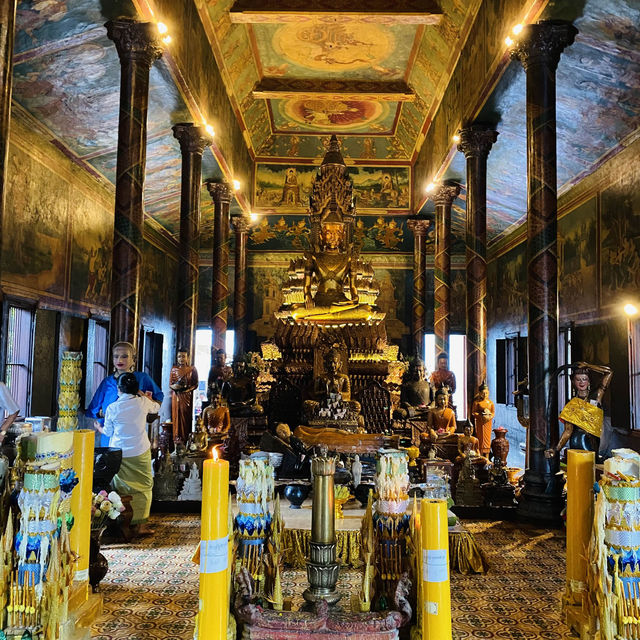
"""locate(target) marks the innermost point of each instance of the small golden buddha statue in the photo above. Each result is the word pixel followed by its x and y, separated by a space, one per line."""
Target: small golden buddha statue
pixel 334 381
pixel 198 439
pixel 215 417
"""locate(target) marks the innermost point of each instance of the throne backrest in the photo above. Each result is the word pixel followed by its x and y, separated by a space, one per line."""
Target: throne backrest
pixel 285 403
pixel 375 402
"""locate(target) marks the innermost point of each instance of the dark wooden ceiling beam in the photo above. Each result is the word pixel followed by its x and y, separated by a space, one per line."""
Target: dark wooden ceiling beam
pixel 330 89
pixel 382 11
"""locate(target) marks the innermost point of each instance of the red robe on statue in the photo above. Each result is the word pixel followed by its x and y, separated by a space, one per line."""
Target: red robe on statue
pixel 186 377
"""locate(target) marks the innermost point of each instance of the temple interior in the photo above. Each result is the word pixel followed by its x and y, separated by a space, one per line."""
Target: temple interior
pixel 320 319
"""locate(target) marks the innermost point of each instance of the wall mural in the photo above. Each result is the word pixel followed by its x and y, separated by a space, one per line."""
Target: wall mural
pixel 287 187
pixel 577 247
pixel 265 285
pixel 507 298
pixel 159 274
pixel 37 200
pixel 291 233
pixel 91 251
pixel 395 300
pixel 620 241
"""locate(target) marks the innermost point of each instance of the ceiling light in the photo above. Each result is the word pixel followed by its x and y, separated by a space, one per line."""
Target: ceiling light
pixel 162 28
pixel 430 187
pixel 630 309
pixel 508 41
pixel 166 39
pixel 456 138
pixel 253 216
pixel 209 129
pixel 517 29
pixel 236 185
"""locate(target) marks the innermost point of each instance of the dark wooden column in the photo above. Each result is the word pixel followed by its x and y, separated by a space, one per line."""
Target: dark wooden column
pixel 7 37
pixel 419 228
pixel 443 198
pixel 538 48
pixel 241 228
pixel 221 195
pixel 138 45
pixel 193 140
pixel 475 142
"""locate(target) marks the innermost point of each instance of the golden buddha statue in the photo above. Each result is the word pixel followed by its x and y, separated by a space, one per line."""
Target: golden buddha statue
pixel 331 269
pixel 334 381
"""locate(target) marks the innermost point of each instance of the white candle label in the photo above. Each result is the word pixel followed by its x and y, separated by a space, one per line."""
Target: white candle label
pixel 432 608
pixel 214 555
pixel 434 565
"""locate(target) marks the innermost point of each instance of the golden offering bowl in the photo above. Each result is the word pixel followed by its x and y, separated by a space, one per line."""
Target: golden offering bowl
pixel 339 502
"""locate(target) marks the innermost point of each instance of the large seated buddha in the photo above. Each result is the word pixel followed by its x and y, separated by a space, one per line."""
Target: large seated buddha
pixel 331 284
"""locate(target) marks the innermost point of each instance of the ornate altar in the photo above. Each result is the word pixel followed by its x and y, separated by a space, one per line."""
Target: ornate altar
pixel 330 296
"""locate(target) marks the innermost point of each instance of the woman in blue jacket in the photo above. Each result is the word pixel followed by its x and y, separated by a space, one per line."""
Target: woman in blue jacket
pixel 124 358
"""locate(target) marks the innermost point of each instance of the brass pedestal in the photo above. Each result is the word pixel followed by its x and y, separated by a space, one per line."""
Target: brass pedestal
pixel 322 573
pixel 322 568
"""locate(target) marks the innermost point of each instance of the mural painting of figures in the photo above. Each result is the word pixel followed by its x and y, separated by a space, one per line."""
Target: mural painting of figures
pixel 510 300
pixel 91 251
pixel 265 285
pixel 37 200
pixel 577 242
pixel 159 274
pixel 287 187
pixel 620 242
pixel 458 299
pixel 392 299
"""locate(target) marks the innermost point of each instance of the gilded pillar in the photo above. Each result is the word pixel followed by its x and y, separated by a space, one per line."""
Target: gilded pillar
pixel 138 45
pixel 241 228
pixel 193 140
pixel 443 198
pixel 221 195
pixel 538 48
pixel 7 37
pixel 419 228
pixel 475 142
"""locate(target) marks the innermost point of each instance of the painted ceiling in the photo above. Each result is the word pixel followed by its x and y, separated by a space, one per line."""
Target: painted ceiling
pixel 294 80
pixel 295 77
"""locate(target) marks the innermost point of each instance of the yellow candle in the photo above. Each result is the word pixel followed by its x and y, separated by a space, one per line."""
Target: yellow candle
pixel 436 592
pixel 81 498
pixel 214 551
pixel 580 479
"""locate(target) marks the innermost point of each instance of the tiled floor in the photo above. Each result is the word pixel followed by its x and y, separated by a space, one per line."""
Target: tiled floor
pixel 151 590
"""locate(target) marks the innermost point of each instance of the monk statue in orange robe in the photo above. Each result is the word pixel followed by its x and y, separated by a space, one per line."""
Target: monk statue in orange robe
pixel 216 417
pixel 183 381
pixel 442 420
pixel 483 412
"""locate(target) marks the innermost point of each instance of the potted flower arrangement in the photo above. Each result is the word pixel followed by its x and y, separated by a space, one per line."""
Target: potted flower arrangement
pixel 104 506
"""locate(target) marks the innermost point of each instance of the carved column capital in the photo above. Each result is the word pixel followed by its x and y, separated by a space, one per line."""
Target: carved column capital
pixel 476 140
pixel 220 192
pixel 135 40
pixel 192 137
pixel 240 224
pixel 446 193
pixel 542 43
pixel 419 226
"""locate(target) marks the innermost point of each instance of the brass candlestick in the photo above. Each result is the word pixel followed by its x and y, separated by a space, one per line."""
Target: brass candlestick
pixel 322 568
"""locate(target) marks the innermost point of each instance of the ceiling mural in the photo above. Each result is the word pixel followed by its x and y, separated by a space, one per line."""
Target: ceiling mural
pixel 67 77
pixel 295 78
pixel 296 75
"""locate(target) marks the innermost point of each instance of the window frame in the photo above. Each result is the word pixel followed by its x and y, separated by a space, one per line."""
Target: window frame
pixel 633 338
pixel 30 307
pixel 90 385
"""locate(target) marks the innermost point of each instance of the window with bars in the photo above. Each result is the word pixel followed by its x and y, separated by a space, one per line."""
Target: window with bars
pixel 19 355
pixel 634 371
pixel 564 357
pixel 511 365
pixel 97 356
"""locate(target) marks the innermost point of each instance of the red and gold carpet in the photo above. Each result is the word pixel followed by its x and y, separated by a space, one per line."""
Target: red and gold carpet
pixel 151 590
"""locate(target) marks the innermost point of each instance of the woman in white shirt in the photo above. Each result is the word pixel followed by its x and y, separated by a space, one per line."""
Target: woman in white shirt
pixel 125 423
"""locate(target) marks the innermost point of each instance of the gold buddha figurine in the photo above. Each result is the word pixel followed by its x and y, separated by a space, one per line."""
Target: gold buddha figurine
pixel 334 381
pixel 198 439
pixel 333 267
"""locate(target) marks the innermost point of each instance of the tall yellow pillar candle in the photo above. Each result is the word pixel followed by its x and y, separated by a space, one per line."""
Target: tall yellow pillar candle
pixel 436 592
pixel 81 499
pixel 580 479
pixel 214 551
